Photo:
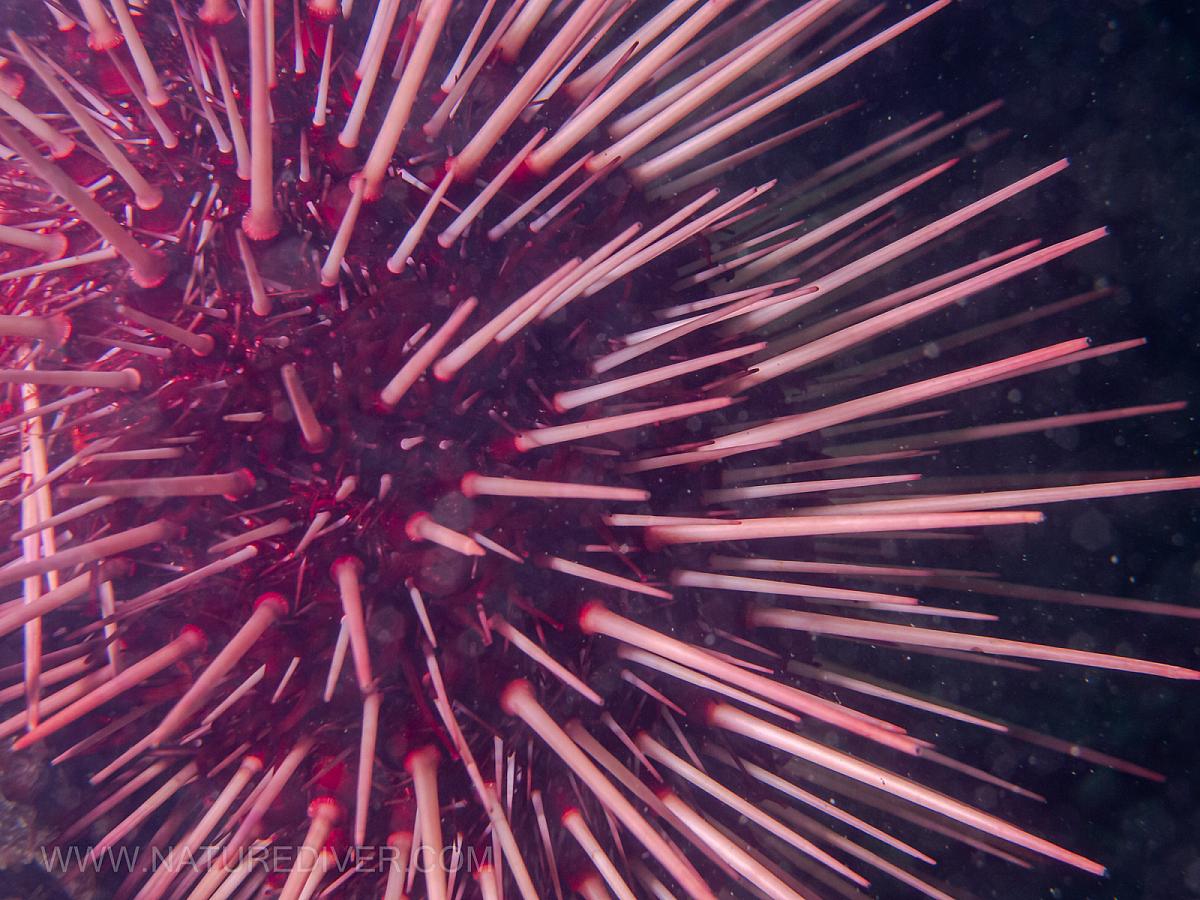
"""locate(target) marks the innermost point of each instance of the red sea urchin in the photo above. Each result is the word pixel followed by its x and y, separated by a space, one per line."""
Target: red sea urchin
pixel 305 403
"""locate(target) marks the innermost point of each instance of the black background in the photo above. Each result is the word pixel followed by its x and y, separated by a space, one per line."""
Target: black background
pixel 1114 86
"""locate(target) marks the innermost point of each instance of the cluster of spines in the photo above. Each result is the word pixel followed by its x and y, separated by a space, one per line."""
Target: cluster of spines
pixel 655 100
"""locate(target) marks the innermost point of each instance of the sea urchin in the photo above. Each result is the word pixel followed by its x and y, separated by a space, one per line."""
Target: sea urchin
pixel 419 418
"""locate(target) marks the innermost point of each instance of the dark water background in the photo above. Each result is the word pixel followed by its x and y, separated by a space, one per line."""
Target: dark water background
pixel 1112 85
pixel 1115 86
